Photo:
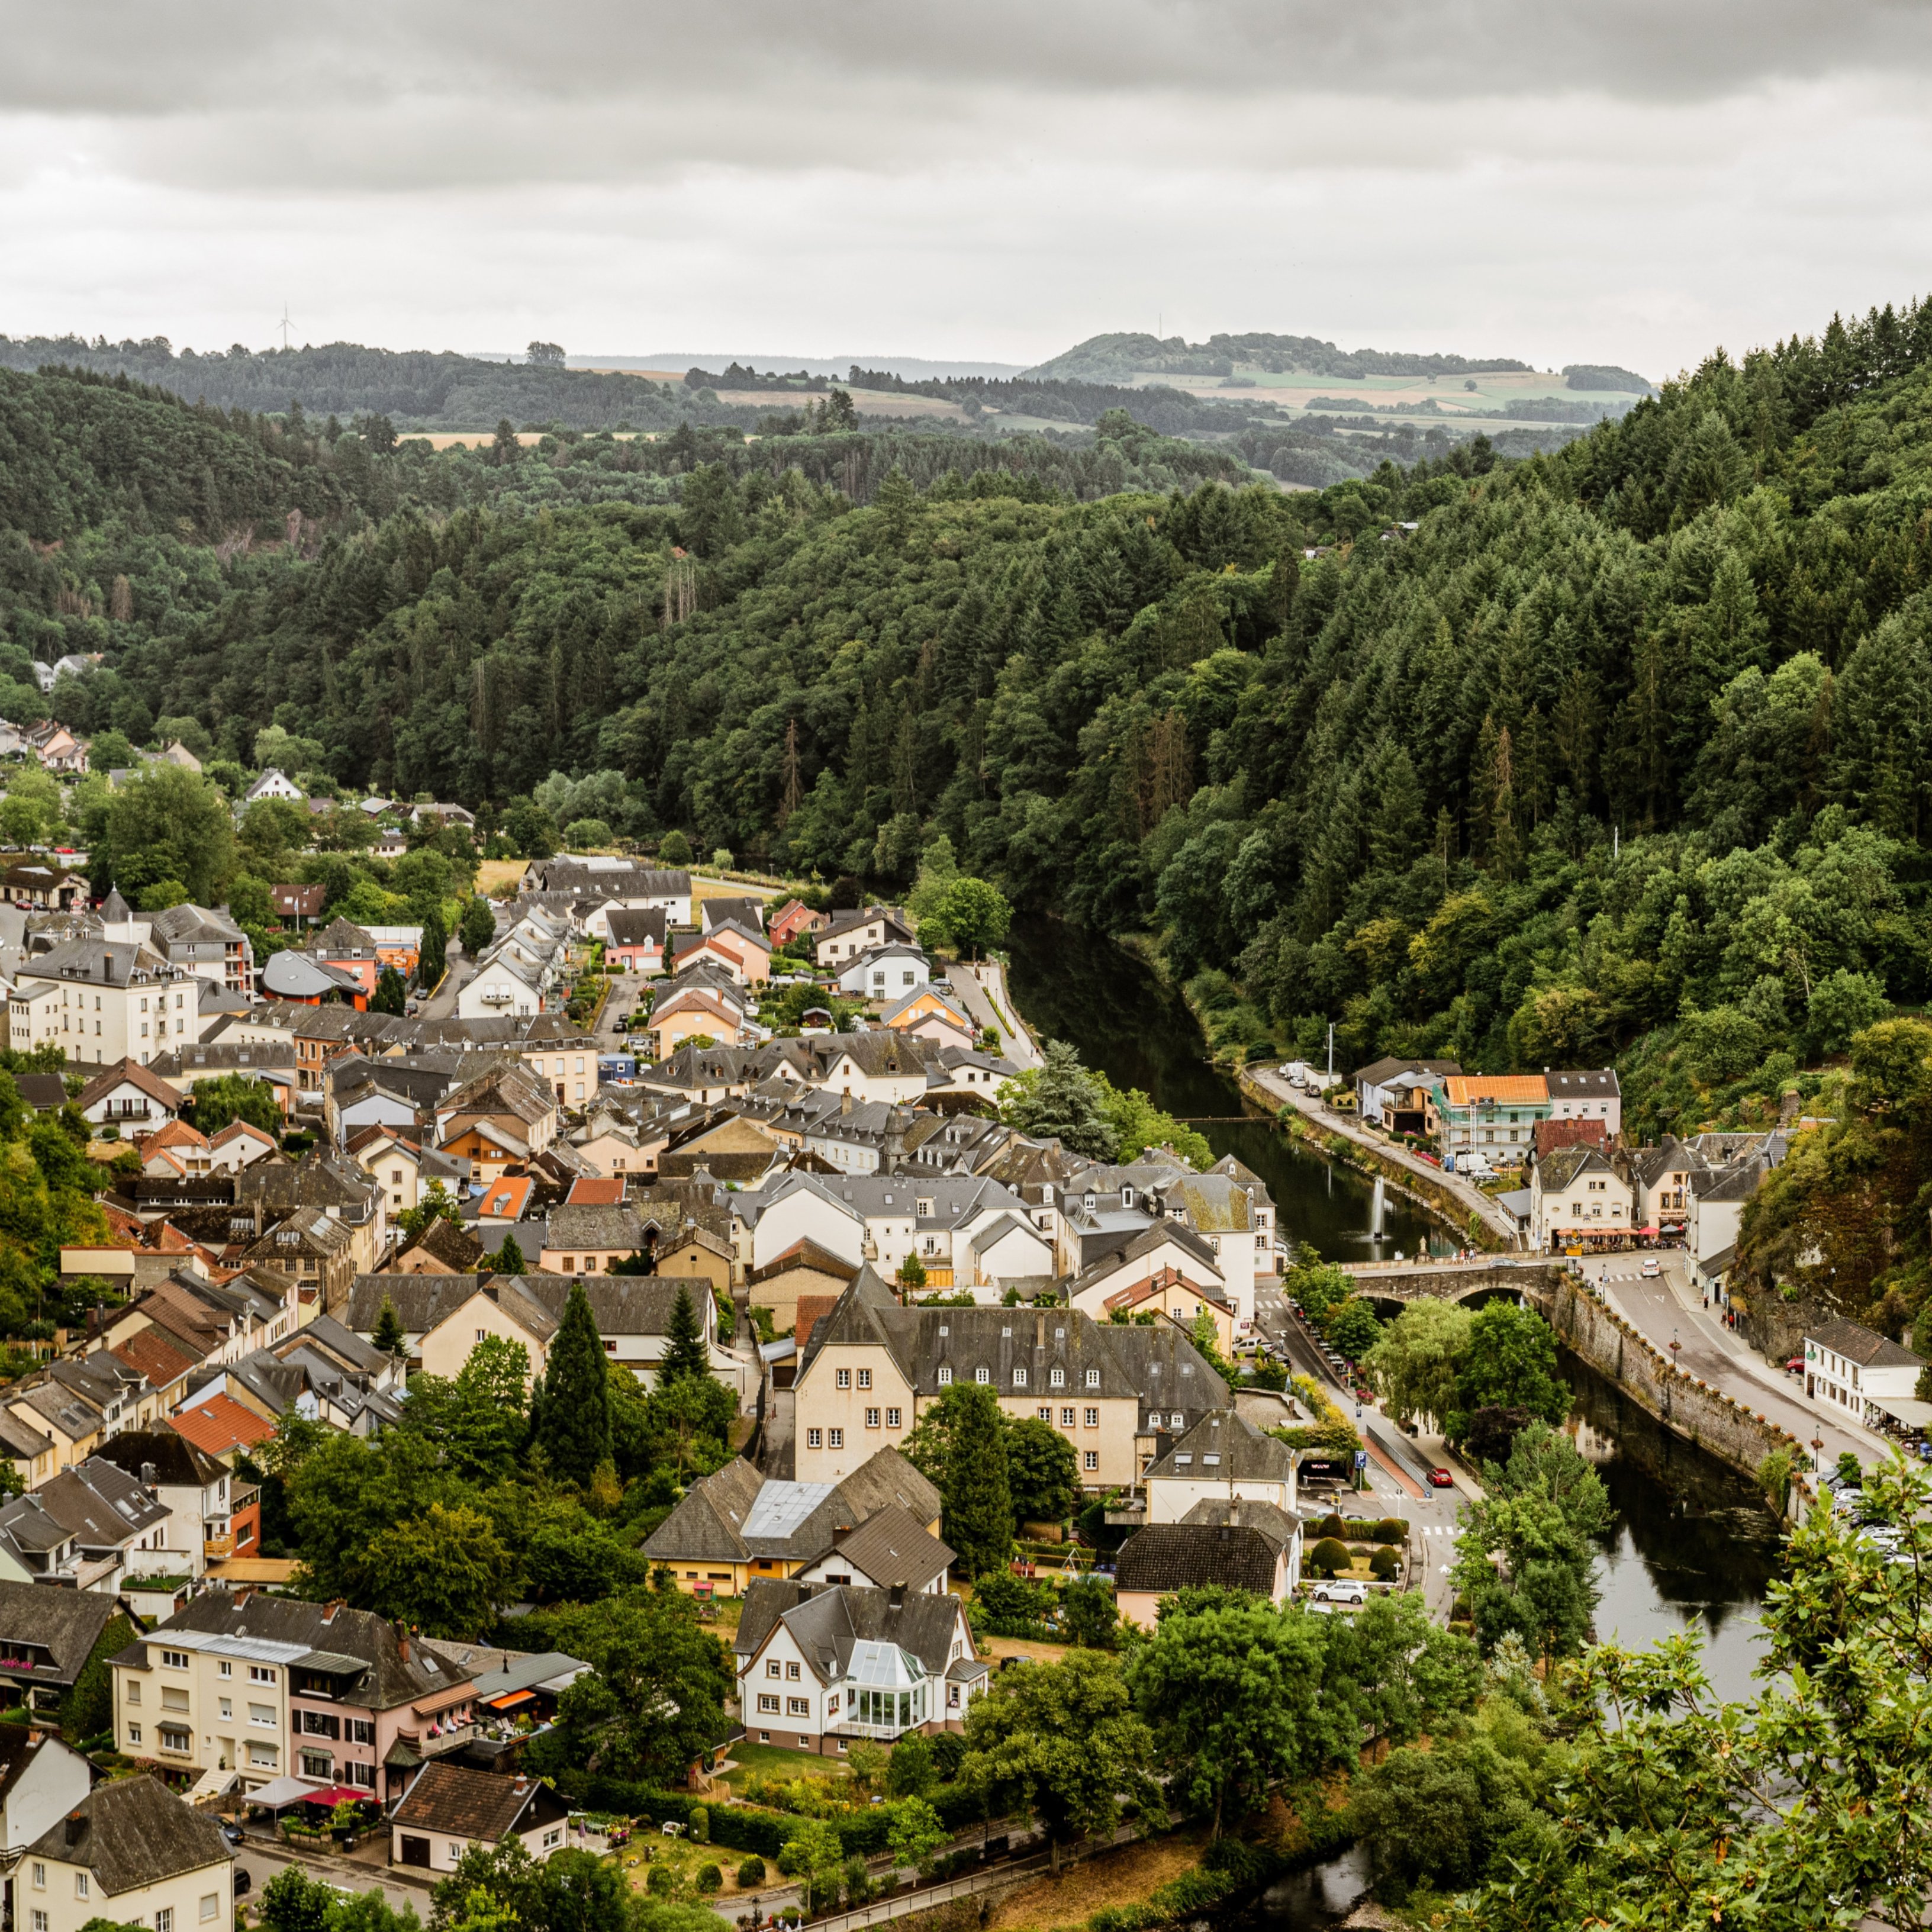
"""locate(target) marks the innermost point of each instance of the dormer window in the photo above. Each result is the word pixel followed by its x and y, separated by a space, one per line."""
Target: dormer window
pixel 982 1375
pixel 1019 1378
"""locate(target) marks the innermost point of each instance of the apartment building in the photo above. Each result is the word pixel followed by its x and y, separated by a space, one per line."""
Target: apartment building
pixel 1118 1394
pixel 102 1000
pixel 270 1687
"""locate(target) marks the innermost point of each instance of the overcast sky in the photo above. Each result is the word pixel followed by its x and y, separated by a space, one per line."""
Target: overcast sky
pixel 1633 183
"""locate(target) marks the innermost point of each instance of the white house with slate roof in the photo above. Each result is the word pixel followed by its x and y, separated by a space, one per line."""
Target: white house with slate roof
pixel 1861 1373
pixel 130 1853
pixel 821 1667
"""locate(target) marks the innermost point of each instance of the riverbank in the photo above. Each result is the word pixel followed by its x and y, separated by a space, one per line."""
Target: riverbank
pixel 1469 1215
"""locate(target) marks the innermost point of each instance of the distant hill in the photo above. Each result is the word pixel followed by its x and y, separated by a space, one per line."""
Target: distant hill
pixel 416 388
pixel 1115 358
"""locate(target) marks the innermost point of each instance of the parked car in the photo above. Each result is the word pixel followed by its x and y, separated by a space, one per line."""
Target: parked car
pixel 1342 1590
pixel 231 1830
pixel 244 1884
pixel 1441 1479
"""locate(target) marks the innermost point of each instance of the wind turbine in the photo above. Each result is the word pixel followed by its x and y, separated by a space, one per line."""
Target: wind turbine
pixel 284 325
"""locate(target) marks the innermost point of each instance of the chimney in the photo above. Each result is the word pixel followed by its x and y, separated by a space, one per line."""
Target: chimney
pixel 147 1477
pixel 839 1534
pixel 895 1596
pixel 329 1611
pixel 402 1642
pixel 75 1826
pixel 33 1739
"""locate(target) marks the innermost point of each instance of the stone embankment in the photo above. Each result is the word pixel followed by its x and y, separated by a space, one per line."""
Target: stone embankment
pixel 1729 1429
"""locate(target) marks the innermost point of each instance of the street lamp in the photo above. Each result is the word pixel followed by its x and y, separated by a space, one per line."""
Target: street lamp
pixel 1818 1454
pixel 1673 1349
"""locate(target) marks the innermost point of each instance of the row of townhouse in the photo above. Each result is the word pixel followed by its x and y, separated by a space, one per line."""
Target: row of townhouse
pixel 1696 1188
pixel 1493 1117
pixel 523 972
pixel 1118 1393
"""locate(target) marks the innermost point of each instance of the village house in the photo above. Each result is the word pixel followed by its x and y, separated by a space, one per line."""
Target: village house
pixel 1116 1393
pixel 448 1807
pixel 885 973
pixel 735 1525
pixel 634 941
pixel 1228 1545
pixel 1864 1375
pixel 847 935
pixel 792 918
pixel 46 1638
pixel 1579 1197
pixel 821 1667
pixel 42 1780
pixel 130 1852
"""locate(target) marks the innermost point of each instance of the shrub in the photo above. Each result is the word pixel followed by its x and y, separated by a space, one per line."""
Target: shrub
pixel 1331 1526
pixel 1391 1529
pixel 751 1874
pixel 1327 1557
pixel 662 1881
pixel 1385 1563
pixel 709 1878
pixel 700 1825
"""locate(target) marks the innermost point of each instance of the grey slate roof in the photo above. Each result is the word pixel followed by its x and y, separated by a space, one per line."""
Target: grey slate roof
pixel 1865 1346
pixel 1159 1366
pixel 133 1832
pixel 1166 1557
pixel 1245 1453
pixel 387 1678
pixel 67 1623
pixel 735 1515
pixel 893 1547
pixel 826 1622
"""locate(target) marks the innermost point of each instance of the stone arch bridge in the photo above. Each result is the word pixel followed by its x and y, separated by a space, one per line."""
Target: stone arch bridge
pixel 1401 1282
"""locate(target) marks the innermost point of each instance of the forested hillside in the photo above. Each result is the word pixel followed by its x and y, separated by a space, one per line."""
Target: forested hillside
pixel 1622 750
pixel 1113 359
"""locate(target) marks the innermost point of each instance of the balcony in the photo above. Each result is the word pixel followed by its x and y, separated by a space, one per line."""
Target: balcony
pixel 449 1738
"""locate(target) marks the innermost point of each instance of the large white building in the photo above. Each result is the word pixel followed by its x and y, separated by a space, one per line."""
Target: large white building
pixel 104 1000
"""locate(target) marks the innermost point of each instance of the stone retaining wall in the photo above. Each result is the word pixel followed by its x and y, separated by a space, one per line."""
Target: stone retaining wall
pixel 1729 1430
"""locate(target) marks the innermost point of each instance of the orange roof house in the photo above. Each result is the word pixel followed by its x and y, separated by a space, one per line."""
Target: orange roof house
pixel 598 1190
pixel 1507 1089
pixel 221 1427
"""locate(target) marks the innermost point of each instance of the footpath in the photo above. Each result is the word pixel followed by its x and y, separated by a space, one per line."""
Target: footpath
pixel 1472 1198
pixel 983 988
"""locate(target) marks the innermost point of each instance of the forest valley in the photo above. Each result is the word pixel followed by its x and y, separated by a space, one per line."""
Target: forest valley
pixel 1619 753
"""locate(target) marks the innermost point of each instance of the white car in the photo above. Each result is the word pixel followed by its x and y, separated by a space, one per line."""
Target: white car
pixel 1342 1590
pixel 1651 1269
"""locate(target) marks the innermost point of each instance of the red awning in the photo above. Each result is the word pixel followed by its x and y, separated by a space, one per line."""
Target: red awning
pixel 1646 1230
pixel 511 1700
pixel 332 1795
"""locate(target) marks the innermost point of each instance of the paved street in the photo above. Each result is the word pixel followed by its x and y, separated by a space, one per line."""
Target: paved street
pixel 1349 1128
pixel 985 1008
pixel 1668 1307
pixel 442 1005
pixel 1399 1466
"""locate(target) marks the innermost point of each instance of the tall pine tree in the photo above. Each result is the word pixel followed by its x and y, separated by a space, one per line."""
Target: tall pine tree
pixel 975 1489
pixel 684 1353
pixel 572 1424
pixel 389 1336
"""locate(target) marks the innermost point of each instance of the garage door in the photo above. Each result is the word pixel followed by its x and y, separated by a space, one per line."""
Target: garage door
pixel 415 1851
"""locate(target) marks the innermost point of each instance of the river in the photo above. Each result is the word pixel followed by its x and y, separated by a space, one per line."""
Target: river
pixel 1078 986
pixel 1692 1546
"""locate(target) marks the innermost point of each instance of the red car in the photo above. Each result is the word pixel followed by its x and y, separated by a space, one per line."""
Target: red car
pixel 1441 1479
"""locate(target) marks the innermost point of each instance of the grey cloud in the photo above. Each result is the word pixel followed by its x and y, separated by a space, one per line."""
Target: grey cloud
pixel 135 57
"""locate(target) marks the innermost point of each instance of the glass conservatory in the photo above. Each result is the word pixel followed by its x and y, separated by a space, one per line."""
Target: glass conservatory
pixel 885 1691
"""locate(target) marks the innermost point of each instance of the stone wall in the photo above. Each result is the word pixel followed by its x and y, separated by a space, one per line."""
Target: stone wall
pixel 1774 1326
pixel 1734 1433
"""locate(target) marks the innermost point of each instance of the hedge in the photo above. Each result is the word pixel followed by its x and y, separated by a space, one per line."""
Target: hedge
pixel 741 1828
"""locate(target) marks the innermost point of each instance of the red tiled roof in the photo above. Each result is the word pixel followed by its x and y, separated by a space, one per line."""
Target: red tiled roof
pixel 1520 1087
pixel 1551 1135
pixel 590 1190
pixel 812 1309
pixel 504 1200
pixel 220 1425
pixel 154 1356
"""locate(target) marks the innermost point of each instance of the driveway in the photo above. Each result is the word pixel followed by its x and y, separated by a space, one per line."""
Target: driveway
pixel 262 1858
